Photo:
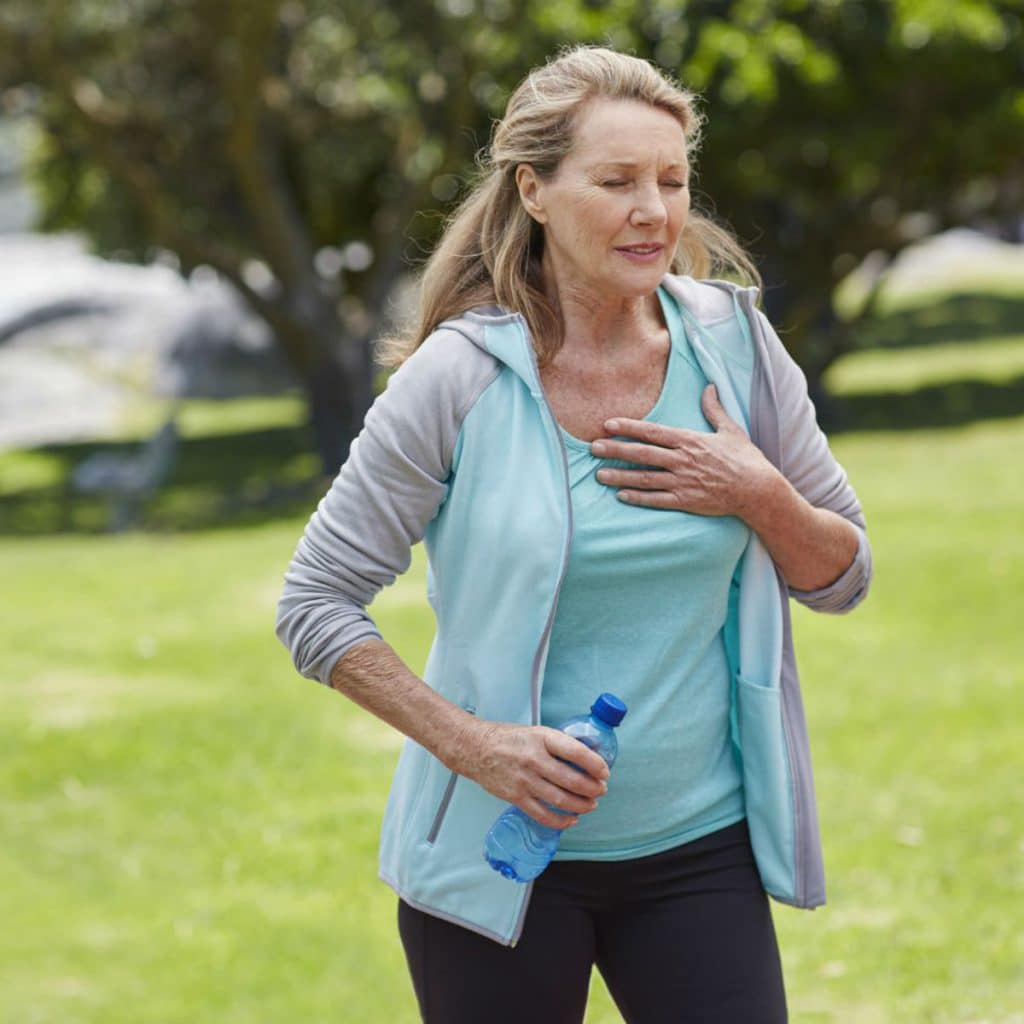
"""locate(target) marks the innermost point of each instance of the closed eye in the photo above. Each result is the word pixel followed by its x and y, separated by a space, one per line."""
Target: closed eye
pixel 622 184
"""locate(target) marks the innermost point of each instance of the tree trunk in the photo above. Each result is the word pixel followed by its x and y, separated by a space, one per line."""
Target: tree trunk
pixel 338 399
pixel 337 378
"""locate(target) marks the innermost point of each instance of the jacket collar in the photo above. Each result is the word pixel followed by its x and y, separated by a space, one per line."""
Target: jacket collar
pixel 505 335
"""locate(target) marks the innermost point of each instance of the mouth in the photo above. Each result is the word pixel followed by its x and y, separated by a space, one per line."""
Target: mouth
pixel 647 251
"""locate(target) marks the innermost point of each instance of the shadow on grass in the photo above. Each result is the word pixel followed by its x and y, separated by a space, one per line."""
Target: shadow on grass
pixel 934 406
pixel 222 481
pixel 952 318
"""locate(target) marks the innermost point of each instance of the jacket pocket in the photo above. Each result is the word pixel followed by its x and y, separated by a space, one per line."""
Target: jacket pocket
pixel 446 799
pixel 767 787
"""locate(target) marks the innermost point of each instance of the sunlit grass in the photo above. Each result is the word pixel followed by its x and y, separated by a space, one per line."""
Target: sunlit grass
pixel 877 370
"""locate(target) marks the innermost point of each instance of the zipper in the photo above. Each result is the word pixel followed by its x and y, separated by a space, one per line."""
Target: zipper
pixel 796 774
pixel 801 841
pixel 446 798
pixel 545 635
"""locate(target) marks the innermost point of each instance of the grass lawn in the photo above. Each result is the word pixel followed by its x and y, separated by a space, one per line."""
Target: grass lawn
pixel 189 829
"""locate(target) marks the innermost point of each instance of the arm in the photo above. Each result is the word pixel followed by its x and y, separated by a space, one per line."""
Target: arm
pixel 520 764
pixel 813 547
pixel 725 473
pixel 813 472
pixel 360 537
pixel 359 540
pixel 804 511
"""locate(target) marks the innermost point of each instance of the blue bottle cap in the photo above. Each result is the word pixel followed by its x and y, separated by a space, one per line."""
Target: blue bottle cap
pixel 609 709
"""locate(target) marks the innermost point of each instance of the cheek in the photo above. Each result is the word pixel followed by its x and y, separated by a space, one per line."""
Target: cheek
pixel 600 214
pixel 679 214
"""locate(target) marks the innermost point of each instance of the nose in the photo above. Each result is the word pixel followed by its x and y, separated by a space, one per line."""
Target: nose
pixel 650 206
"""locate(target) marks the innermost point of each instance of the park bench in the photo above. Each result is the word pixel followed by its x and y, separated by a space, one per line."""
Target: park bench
pixel 127 479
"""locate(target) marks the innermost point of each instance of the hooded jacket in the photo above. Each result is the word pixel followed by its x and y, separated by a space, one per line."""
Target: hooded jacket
pixel 463 452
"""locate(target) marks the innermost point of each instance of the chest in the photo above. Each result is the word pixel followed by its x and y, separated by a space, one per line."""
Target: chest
pixel 584 393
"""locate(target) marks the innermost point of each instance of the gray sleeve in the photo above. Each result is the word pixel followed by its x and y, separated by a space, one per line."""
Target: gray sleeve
pixel 810 466
pixel 390 487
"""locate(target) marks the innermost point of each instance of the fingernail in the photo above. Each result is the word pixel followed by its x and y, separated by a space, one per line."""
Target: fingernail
pixel 598 448
pixel 611 425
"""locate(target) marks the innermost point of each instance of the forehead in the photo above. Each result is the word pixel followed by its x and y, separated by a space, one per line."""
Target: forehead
pixel 627 132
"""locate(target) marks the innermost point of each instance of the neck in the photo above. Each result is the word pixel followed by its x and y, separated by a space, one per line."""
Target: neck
pixel 595 321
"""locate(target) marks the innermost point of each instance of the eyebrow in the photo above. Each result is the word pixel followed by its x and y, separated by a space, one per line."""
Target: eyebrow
pixel 633 163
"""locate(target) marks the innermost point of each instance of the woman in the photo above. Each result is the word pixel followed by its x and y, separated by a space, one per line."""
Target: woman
pixel 620 481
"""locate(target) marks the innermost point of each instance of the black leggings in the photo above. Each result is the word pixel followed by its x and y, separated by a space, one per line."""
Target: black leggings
pixel 684 935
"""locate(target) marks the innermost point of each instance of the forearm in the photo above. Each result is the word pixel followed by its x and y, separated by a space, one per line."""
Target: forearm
pixel 373 676
pixel 521 764
pixel 811 546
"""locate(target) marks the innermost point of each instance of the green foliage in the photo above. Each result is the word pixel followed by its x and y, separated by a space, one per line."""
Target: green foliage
pixel 269 130
pixel 839 129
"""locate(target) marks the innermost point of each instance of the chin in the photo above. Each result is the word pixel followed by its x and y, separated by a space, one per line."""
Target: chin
pixel 637 282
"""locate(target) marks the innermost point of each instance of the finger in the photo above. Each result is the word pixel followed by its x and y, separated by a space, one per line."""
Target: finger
pixel 651 499
pixel 648 480
pixel 630 451
pixel 655 433
pixel 575 781
pixel 713 409
pixel 568 748
pixel 563 800
pixel 540 811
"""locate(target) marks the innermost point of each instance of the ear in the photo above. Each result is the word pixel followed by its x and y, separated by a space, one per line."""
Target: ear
pixel 531 192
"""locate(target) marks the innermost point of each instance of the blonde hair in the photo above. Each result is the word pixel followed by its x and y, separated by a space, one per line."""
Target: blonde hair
pixel 490 250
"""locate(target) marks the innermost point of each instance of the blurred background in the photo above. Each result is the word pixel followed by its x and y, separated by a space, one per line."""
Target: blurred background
pixel 207 214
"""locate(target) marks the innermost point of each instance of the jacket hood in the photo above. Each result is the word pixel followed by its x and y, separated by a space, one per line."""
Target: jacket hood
pixel 505 336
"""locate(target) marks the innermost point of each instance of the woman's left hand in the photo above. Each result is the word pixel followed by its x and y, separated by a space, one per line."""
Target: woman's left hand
pixel 719 474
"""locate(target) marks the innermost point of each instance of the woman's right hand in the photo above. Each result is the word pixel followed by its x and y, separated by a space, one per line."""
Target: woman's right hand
pixel 521 764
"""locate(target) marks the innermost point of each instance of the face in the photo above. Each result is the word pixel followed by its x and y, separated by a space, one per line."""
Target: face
pixel 615 208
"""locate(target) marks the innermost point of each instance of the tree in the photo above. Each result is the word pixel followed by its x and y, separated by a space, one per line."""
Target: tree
pixel 839 129
pixel 288 145
pixel 307 149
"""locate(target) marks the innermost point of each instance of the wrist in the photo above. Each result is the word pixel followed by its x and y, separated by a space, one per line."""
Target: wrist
pixel 766 496
pixel 461 742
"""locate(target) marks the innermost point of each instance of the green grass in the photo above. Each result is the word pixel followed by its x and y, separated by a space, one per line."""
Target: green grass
pixel 190 829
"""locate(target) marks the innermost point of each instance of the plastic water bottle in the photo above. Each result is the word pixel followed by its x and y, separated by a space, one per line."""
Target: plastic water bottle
pixel 520 848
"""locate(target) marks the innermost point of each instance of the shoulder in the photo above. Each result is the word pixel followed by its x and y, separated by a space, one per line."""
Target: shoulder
pixel 709 300
pixel 449 369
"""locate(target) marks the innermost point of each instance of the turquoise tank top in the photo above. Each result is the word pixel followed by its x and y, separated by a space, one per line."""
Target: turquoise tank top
pixel 641 613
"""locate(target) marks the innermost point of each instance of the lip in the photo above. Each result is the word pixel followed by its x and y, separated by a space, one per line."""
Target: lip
pixel 643 252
